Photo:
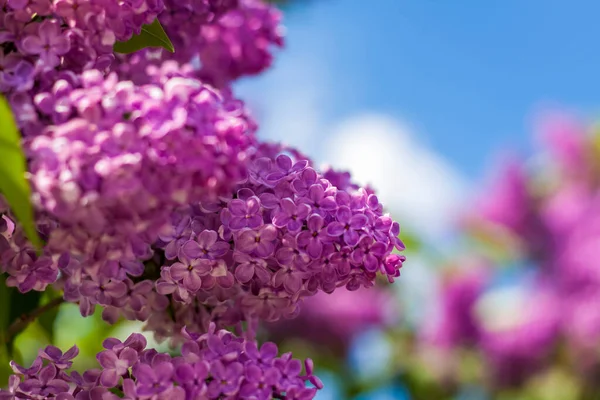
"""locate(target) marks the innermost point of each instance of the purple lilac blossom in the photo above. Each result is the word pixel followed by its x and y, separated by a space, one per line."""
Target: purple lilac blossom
pixel 333 320
pixel 224 40
pixel 209 268
pixel 111 165
pixel 562 137
pixel 516 350
pixel 41 41
pixel 264 272
pixel 211 366
pixel 552 213
pixel 577 278
pixel 511 204
pixel 148 208
pixel 454 323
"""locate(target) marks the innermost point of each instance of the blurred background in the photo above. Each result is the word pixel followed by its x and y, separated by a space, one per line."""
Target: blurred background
pixel 475 122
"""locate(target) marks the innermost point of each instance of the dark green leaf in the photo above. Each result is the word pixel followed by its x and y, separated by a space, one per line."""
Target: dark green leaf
pixel 152 35
pixel 5 314
pixel 5 370
pixel 13 184
pixel 21 304
pixel 5 308
pixel 46 320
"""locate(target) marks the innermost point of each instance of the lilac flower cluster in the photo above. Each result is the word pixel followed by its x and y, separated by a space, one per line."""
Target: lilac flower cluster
pixel 510 204
pixel 455 323
pixel 551 217
pixel 244 231
pixel 183 22
pixel 286 234
pixel 215 365
pixel 226 39
pixel 332 321
pixel 113 162
pixel 39 38
pixel 155 201
pixel 120 168
pixel 239 43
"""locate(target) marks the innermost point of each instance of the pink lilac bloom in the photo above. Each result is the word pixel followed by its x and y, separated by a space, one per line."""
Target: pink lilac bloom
pixel 290 215
pixel 515 350
pixel 239 43
pixel 155 201
pixel 211 366
pixel 223 40
pixel 201 271
pixel 454 321
pixel 562 137
pixel 110 167
pixel 510 204
pixel 42 41
pixel 551 212
pixel 153 196
pixel 265 272
pixel 578 278
pixel 333 320
pixel 566 208
pixel 48 43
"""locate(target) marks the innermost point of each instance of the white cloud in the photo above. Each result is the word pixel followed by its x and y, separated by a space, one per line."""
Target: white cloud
pixel 417 185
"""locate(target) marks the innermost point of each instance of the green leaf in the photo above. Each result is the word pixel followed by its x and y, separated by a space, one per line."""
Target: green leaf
pixel 21 304
pixel 47 319
pixel 152 35
pixel 411 241
pixel 13 184
pixel 5 308
pixel 5 370
pixel 14 305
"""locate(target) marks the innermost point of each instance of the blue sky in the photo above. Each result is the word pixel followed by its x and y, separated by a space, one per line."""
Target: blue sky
pixel 468 74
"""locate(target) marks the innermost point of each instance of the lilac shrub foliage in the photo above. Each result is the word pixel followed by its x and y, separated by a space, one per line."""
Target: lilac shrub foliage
pixel 157 202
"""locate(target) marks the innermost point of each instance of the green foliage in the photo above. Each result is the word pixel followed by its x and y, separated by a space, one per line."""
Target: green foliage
pixel 18 305
pixel 5 370
pixel 5 308
pixel 14 305
pixel 4 321
pixel 411 241
pixel 13 184
pixel 48 318
pixel 152 35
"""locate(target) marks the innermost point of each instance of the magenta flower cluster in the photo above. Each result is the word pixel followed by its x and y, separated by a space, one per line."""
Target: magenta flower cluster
pixel 111 164
pixel 546 220
pixel 156 202
pixel 224 40
pixel 118 157
pixel 333 321
pixel 285 234
pixel 215 365
pixel 41 37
